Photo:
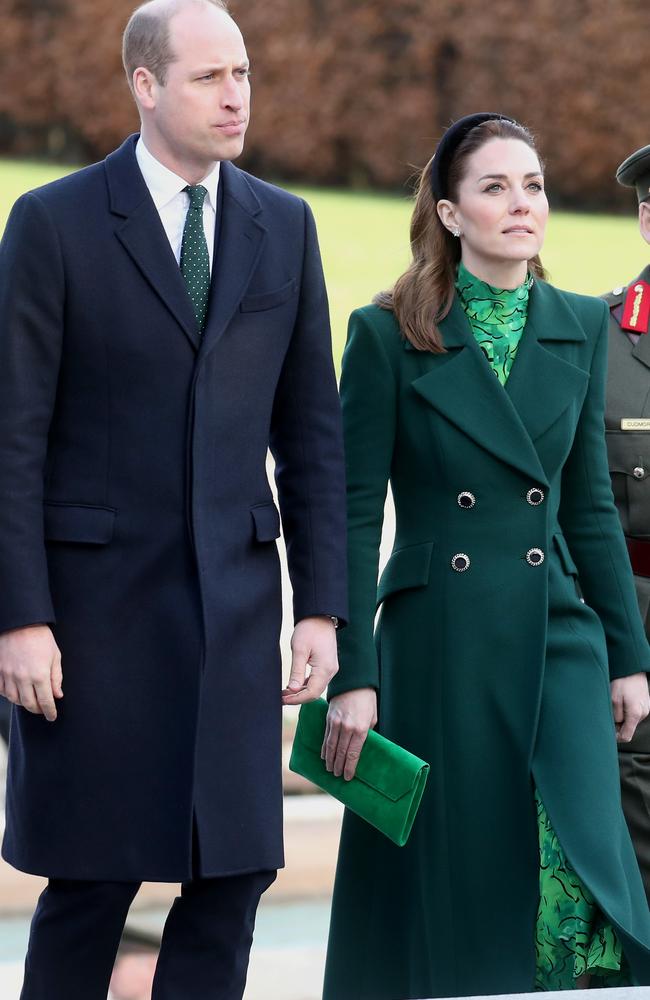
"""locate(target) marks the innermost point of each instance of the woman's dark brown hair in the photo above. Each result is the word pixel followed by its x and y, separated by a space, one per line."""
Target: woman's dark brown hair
pixel 422 296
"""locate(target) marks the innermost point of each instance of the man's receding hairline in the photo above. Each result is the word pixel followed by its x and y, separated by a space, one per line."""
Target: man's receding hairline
pixel 167 9
pixel 147 39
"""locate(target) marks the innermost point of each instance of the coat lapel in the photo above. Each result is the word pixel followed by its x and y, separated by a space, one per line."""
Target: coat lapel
pixel 240 237
pixel 461 386
pixel 542 384
pixel 144 238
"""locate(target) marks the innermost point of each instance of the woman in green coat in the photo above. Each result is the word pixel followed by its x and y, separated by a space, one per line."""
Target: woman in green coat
pixel 477 390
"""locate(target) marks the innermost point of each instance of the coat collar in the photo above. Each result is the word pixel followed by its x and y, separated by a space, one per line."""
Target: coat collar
pixel 238 241
pixel 542 384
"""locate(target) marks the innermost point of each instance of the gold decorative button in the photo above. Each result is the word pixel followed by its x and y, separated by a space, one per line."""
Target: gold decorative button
pixel 639 472
pixel 535 557
pixel 466 500
pixel 460 562
pixel 535 496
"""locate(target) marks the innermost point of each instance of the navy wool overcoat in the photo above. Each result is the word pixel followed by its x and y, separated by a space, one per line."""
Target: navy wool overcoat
pixel 136 517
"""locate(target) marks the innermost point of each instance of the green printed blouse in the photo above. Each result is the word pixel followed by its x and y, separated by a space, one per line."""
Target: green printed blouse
pixel 497 317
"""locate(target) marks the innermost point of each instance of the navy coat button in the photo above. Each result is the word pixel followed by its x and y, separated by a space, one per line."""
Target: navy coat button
pixel 535 557
pixel 535 496
pixel 460 562
pixel 466 500
pixel 639 472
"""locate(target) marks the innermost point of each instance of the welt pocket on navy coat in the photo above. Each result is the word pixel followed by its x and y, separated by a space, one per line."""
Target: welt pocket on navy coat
pixel 408 567
pixel 266 521
pixel 566 558
pixel 268 300
pixel 81 523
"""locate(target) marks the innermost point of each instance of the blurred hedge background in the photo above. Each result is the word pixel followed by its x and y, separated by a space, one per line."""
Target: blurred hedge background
pixel 355 92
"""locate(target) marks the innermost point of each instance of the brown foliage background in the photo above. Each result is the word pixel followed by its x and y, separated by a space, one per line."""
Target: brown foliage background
pixel 355 93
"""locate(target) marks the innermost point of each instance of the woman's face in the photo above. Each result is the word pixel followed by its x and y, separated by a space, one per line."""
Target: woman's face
pixel 502 208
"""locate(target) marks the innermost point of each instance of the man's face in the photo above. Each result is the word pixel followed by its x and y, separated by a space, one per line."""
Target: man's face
pixel 644 220
pixel 201 113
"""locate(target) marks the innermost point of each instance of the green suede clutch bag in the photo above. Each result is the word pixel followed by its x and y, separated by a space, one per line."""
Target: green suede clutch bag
pixel 387 787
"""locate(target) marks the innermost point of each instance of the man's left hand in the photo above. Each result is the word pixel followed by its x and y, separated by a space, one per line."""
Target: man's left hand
pixel 631 703
pixel 313 645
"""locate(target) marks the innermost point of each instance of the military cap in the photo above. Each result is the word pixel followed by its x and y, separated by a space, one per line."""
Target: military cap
pixel 635 172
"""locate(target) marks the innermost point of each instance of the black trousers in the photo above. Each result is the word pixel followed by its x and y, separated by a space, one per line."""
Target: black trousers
pixel 206 941
pixel 634 764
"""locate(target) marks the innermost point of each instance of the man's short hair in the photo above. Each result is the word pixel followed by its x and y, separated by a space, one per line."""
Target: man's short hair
pixel 146 40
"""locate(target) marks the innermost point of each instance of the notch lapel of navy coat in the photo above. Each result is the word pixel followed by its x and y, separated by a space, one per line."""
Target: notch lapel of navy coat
pixel 143 236
pixel 238 245
pixel 543 383
pixel 463 388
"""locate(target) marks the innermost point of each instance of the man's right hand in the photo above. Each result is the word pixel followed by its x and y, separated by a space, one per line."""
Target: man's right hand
pixel 30 669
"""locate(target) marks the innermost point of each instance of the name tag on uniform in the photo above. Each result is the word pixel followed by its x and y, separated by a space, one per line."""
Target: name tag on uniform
pixel 635 424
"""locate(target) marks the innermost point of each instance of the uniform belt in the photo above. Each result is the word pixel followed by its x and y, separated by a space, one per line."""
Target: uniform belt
pixel 639 556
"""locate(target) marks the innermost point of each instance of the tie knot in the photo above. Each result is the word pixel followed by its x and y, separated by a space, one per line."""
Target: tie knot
pixel 197 195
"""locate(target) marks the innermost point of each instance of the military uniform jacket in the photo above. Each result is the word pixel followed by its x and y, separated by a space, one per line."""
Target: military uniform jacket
pixel 628 397
pixel 136 516
pixel 488 665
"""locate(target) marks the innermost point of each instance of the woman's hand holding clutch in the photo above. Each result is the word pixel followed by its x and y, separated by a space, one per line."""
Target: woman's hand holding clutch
pixel 349 718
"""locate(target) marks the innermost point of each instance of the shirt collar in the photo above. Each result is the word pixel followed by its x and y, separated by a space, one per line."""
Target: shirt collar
pixel 164 184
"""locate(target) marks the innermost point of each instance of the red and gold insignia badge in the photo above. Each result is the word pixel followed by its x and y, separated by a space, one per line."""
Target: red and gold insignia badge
pixel 636 312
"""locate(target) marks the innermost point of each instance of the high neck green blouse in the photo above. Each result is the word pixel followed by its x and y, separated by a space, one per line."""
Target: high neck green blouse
pixel 497 317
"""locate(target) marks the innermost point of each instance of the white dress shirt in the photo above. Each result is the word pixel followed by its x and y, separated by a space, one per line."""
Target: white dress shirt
pixel 172 202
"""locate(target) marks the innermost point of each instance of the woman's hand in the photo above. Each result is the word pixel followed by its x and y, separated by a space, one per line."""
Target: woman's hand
pixel 631 701
pixel 350 717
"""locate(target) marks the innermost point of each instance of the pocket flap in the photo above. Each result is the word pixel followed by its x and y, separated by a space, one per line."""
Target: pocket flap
pixel 407 567
pixel 268 300
pixel 266 519
pixel 627 451
pixel 68 522
pixel 565 556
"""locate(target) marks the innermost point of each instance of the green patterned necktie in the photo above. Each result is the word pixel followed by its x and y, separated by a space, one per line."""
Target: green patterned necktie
pixel 195 259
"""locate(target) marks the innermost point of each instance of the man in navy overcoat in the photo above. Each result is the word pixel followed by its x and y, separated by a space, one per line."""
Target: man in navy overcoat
pixel 163 321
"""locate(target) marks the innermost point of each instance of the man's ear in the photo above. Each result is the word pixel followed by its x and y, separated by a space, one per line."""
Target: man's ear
pixel 145 88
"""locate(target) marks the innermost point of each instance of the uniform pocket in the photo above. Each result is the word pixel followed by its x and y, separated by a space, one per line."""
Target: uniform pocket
pixel 629 465
pixel 408 567
pixel 83 524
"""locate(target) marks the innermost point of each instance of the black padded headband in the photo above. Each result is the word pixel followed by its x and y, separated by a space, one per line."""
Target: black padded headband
pixel 448 145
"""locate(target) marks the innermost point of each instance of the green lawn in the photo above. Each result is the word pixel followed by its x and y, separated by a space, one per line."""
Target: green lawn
pixel 364 240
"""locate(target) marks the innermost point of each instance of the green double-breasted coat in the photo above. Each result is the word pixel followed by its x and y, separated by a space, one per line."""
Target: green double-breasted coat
pixel 497 675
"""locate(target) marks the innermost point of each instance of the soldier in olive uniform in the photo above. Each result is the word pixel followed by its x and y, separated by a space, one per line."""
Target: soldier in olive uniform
pixel 627 419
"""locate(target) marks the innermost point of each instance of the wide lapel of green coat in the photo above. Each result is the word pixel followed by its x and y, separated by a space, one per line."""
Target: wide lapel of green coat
pixel 543 382
pixel 506 421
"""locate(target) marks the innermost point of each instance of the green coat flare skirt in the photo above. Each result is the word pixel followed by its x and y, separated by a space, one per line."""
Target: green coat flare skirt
pixel 487 663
